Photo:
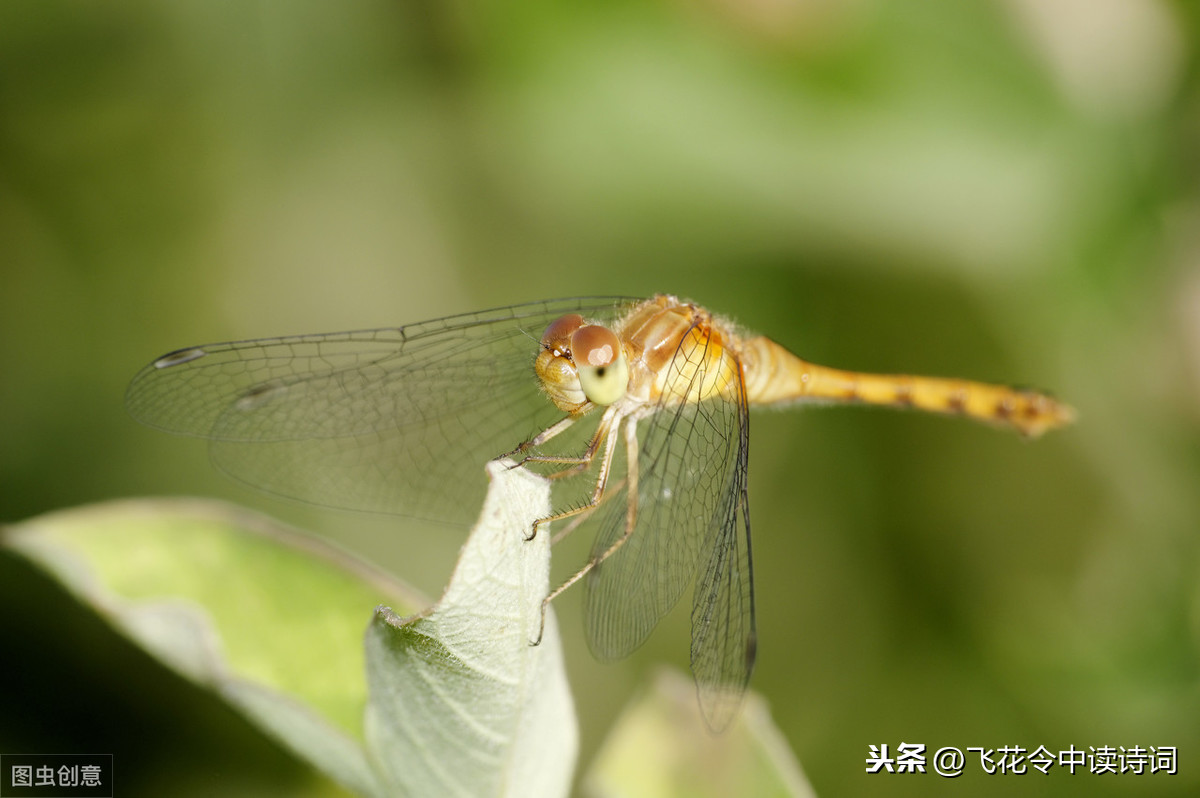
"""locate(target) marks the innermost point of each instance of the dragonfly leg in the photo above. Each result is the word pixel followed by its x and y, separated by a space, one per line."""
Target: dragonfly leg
pixel 612 490
pixel 631 448
pixel 537 440
pixel 601 479
pixel 577 463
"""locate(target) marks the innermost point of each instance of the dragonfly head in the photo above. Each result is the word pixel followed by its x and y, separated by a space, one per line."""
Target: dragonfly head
pixel 581 363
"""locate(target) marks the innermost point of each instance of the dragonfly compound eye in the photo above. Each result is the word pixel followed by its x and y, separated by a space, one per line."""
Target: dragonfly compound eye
pixel 600 361
pixel 557 336
pixel 554 367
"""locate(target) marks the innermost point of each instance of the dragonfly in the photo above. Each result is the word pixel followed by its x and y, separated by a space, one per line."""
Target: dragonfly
pixel 636 409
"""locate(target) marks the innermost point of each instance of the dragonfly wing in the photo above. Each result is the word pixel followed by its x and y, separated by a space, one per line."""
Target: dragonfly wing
pixel 724 639
pixel 397 420
pixel 691 492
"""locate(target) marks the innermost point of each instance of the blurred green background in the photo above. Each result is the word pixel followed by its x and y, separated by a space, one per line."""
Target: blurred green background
pixel 1003 190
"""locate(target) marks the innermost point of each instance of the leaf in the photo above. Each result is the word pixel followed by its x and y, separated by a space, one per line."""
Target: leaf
pixel 661 747
pixel 263 615
pixel 488 713
pixel 459 702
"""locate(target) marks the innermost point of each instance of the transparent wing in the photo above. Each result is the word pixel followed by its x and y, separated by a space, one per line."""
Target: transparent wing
pixel 724 640
pixel 397 420
pixel 691 527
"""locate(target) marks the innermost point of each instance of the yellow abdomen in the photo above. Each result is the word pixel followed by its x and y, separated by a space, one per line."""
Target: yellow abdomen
pixel 775 376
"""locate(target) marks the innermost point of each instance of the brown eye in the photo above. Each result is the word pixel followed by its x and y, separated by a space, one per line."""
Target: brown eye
pixel 557 335
pixel 600 361
pixel 594 345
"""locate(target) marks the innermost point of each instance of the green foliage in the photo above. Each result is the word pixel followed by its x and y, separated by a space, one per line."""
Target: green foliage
pixel 272 621
pixel 660 748
pixel 453 700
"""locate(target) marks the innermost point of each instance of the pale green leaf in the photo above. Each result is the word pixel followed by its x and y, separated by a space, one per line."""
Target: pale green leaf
pixel 461 703
pixel 460 700
pixel 266 617
pixel 661 747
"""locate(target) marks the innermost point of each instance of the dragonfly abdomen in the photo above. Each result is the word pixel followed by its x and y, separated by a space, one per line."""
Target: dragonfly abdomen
pixel 776 376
